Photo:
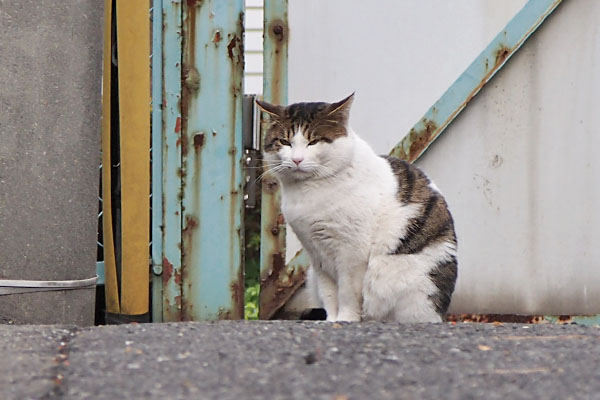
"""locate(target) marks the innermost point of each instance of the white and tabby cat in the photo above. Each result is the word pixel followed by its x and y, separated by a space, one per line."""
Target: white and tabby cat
pixel 378 232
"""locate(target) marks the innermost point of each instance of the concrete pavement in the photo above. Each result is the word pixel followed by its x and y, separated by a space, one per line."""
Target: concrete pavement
pixel 300 360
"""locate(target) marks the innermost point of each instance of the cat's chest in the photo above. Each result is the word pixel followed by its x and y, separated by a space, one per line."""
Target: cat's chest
pixel 329 215
pixel 322 203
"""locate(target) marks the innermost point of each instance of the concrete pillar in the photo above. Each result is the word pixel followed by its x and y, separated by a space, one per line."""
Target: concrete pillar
pixel 50 75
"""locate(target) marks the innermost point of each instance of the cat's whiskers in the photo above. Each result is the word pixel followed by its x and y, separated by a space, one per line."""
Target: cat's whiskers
pixel 271 171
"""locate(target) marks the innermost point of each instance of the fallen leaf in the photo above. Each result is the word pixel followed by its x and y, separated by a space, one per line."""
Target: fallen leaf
pixel 483 347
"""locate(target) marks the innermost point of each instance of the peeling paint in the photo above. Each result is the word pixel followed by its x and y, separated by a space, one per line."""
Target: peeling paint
pixel 212 278
pixel 167 270
pixel 198 141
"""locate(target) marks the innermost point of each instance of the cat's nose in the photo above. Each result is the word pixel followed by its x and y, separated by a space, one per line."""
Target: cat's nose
pixel 297 160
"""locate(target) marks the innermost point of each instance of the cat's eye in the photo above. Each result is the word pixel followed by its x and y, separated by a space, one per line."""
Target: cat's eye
pixel 284 142
pixel 313 142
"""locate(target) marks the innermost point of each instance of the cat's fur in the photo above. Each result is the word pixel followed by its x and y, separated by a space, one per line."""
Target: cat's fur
pixel 378 232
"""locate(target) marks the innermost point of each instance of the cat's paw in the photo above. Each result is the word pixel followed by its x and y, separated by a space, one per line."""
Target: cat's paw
pixel 348 317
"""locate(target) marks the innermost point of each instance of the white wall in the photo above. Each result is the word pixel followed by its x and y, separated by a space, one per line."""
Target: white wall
pixel 521 171
pixel 518 167
pixel 399 56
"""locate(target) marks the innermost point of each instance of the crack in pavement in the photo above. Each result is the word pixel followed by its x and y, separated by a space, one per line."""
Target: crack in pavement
pixel 60 369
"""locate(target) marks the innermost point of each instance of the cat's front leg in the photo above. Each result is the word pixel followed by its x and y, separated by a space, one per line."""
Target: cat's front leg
pixel 327 291
pixel 350 282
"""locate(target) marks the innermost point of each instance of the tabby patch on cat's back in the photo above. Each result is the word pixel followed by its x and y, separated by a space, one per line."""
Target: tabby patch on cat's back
pixel 378 232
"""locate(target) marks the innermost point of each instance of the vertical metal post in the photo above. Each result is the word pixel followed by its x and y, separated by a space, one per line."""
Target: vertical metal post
pixel 157 216
pixel 272 245
pixel 111 286
pixel 212 156
pixel 133 27
pixel 172 141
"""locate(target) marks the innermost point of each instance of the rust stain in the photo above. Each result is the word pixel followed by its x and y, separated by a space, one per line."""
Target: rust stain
pixel 278 33
pixel 191 79
pixel 191 223
pixel 216 37
pixel 194 3
pixel 502 54
pixel 180 173
pixel 237 295
pixel 278 30
pixel 178 125
pixel 198 141
pixel 167 270
pixel 184 145
pixel 420 139
pixel 235 49
pixel 177 278
pixel 278 285
pixel 280 219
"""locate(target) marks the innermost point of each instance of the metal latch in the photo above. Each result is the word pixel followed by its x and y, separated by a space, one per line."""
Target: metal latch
pixel 251 142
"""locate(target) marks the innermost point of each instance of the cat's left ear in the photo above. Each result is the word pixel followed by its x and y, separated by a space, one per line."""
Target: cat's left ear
pixel 271 109
pixel 341 109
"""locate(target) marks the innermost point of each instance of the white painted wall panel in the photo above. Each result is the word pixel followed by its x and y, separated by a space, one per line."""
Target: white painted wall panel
pixel 521 172
pixel 518 167
pixel 399 56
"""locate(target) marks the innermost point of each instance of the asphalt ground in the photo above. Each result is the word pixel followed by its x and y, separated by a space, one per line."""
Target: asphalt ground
pixel 300 360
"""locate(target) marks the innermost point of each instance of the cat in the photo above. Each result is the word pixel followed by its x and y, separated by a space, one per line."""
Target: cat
pixel 378 232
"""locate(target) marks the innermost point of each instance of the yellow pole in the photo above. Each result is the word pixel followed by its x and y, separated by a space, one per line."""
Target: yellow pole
pixel 110 268
pixel 133 41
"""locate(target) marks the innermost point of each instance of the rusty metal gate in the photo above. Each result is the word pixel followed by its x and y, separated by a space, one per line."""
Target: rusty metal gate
pixel 197 153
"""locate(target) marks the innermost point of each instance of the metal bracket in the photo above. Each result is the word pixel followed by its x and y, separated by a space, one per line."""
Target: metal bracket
pixel 251 140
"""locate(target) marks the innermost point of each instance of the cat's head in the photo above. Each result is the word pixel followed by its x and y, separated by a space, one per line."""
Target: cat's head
pixel 307 140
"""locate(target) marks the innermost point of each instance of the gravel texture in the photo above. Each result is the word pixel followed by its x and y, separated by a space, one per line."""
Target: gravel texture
pixel 300 360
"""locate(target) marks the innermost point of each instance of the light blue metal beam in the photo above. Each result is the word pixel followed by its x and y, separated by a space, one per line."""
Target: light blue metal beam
pixel 275 285
pixel 497 53
pixel 157 216
pixel 171 160
pixel 587 320
pixel 213 67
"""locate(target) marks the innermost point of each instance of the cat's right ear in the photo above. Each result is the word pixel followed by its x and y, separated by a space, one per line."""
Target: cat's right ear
pixel 271 109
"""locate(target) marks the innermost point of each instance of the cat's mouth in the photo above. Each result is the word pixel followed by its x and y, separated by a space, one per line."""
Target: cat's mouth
pixel 299 171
